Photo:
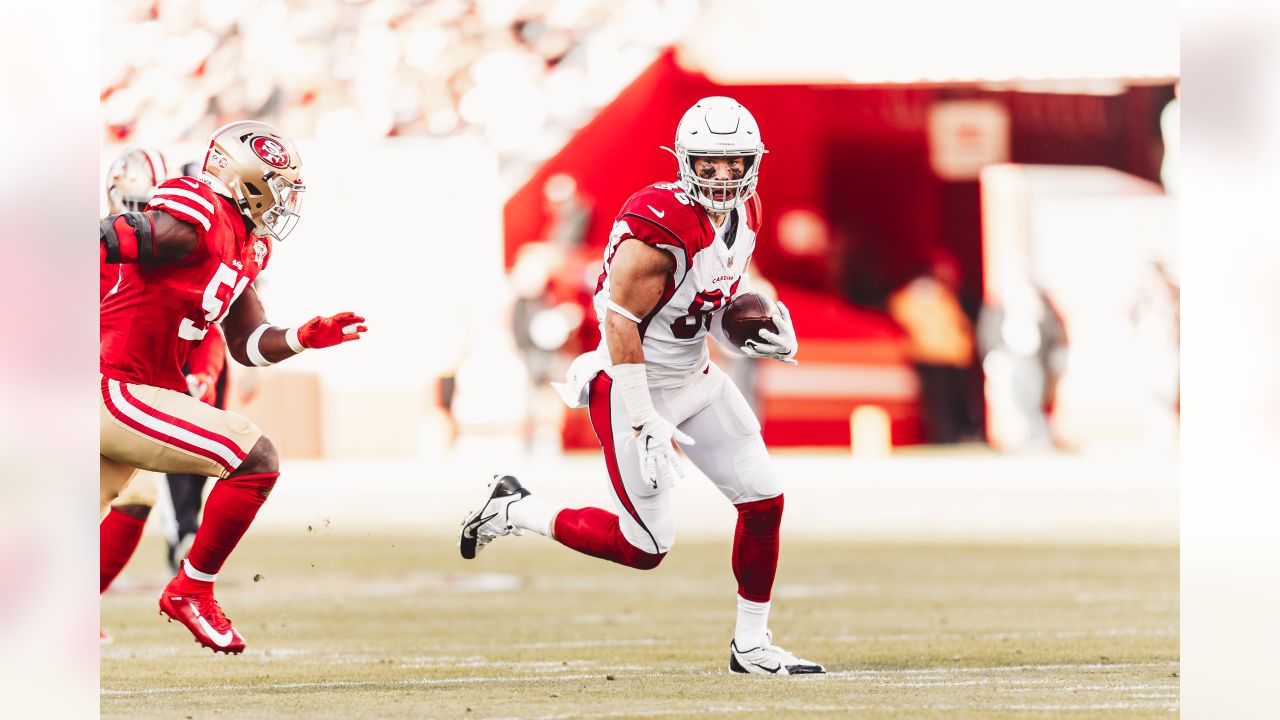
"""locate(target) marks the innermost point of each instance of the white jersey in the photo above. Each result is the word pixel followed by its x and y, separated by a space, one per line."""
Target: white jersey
pixel 707 274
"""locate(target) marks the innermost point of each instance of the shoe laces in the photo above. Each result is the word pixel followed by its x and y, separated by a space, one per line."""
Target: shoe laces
pixel 787 656
pixel 212 612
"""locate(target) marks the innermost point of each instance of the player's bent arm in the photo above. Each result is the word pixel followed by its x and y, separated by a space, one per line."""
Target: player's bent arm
pixel 637 278
pixel 145 237
pixel 253 341
pixel 243 323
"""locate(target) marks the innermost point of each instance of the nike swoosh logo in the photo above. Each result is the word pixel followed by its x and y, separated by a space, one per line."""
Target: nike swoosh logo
pixel 475 525
pixel 657 212
pixel 766 668
pixel 222 639
pixel 192 183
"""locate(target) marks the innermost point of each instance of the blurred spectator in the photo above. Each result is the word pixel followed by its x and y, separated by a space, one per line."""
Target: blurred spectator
pixel 569 211
pixel 860 268
pixel 521 74
pixel 1023 343
pixel 1155 317
pixel 940 345
pixel 541 328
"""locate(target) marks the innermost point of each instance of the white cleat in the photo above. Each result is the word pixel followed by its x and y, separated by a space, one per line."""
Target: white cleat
pixel 769 659
pixel 491 520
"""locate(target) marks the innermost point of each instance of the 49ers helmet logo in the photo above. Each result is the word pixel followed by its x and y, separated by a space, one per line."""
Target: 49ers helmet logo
pixel 271 152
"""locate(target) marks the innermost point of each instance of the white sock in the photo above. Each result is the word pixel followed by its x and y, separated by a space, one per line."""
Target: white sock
pixel 753 620
pixel 531 513
pixel 190 571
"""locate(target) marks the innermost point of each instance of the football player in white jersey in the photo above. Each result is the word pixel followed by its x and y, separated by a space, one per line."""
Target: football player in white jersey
pixel 677 253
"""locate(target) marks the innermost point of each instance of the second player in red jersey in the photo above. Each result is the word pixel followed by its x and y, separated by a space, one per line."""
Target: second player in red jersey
pixel 189 262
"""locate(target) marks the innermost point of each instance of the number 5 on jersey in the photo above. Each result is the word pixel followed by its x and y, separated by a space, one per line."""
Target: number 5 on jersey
pixel 221 292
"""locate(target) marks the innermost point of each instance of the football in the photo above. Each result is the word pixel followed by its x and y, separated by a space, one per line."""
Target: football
pixel 745 316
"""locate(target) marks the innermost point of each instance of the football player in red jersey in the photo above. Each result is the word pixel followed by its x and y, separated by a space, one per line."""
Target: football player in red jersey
pixel 677 253
pixel 132 179
pixel 189 261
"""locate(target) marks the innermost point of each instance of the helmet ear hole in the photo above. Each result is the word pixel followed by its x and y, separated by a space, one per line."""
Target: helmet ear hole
pixel 253 189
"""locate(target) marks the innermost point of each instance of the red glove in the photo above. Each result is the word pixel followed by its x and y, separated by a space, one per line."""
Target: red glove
pixel 203 387
pixel 319 332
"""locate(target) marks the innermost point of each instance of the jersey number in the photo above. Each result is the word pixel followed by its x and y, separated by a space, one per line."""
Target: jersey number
pixel 222 290
pixel 704 303
pixel 675 190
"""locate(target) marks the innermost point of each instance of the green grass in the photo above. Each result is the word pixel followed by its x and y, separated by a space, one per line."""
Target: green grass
pixel 400 627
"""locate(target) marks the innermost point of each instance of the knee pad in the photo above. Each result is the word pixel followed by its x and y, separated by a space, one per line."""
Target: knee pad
pixel 757 478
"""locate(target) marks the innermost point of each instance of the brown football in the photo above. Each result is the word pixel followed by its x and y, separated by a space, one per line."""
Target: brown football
pixel 745 316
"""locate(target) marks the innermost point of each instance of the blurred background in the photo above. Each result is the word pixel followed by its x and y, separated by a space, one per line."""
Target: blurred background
pixel 975 228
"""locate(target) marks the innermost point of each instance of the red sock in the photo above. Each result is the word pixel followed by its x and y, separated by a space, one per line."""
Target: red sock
pixel 595 532
pixel 755 547
pixel 230 509
pixel 118 536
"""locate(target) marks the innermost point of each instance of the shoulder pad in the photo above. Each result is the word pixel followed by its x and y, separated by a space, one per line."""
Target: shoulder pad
pixel 186 199
pixel 666 206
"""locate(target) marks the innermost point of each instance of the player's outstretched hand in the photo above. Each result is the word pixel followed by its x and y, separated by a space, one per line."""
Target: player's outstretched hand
pixel 781 345
pixel 322 332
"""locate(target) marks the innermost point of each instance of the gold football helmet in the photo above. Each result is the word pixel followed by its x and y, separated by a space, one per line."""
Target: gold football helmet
pixel 133 177
pixel 259 169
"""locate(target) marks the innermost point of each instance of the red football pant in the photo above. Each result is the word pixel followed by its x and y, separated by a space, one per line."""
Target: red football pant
pixel 118 536
pixel 232 505
pixel 595 532
pixel 755 547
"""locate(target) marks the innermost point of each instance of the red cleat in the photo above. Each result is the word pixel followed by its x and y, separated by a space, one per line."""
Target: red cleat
pixel 200 613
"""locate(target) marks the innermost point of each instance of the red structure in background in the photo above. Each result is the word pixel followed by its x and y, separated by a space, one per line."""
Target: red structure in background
pixel 859 158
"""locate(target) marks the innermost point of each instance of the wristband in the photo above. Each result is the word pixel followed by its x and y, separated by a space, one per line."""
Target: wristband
pixel 291 339
pixel 634 387
pixel 253 351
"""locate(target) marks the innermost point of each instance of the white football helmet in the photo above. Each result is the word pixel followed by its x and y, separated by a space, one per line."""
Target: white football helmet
pixel 718 126
pixel 260 170
pixel 133 177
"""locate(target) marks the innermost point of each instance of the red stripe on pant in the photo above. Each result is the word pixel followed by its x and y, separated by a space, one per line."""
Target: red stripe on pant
pixel 159 436
pixel 755 547
pixel 601 408
pixel 205 433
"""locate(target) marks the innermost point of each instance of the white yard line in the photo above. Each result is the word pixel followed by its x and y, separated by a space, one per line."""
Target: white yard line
pixel 845 675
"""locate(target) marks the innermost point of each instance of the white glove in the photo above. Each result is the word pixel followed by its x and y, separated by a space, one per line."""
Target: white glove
pixel 781 345
pixel 659 465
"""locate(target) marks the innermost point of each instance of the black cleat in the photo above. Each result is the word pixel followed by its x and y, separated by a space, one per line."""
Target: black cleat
pixel 491 520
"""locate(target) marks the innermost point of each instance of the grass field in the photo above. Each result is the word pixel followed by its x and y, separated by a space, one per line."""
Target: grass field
pixel 347 626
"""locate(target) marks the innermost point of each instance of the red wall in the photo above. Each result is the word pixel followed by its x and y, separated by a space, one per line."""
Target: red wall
pixel 855 153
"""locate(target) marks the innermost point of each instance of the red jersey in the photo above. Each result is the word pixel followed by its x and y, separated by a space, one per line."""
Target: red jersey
pixel 157 312
pixel 108 276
